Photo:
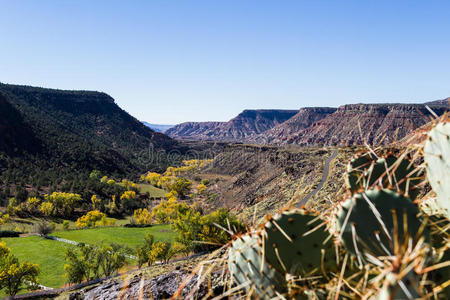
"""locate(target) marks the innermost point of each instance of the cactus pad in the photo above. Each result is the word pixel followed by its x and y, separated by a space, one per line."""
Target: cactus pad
pixel 299 254
pixel 370 224
pixel 246 266
pixel 367 171
pixel 437 159
pixel 356 169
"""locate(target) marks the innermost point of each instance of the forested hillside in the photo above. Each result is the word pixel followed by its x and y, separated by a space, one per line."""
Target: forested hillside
pixel 50 137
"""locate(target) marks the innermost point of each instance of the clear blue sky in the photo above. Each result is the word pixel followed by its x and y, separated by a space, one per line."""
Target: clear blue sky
pixel 173 61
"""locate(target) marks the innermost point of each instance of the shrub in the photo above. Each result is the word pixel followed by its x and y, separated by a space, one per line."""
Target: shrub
pixel 212 224
pixel 91 219
pixel 201 188
pixel 5 218
pixel 205 181
pixel 43 228
pixel 143 251
pixel 201 233
pixel 152 178
pixel 178 248
pixel 65 224
pixel 142 216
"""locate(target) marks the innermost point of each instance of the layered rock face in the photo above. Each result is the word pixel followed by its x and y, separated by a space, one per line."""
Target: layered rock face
pixel 352 124
pixel 303 119
pixel 194 130
pixel 246 124
pixel 357 124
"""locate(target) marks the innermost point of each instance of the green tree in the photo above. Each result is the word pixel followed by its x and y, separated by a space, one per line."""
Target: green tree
pixel 80 263
pixel 15 276
pixel 63 203
pixel 111 258
pixel 160 251
pixel 143 251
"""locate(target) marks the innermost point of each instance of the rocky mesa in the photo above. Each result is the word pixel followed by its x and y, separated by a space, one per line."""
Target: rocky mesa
pixel 239 129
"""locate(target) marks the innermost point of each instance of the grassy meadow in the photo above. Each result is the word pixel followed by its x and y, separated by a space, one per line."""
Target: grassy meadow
pixel 49 254
pixel 131 237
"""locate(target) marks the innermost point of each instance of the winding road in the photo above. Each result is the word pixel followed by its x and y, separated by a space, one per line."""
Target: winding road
pixel 326 171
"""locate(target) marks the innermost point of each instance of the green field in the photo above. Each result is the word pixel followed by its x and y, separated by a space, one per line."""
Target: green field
pixel 122 235
pixel 153 191
pixel 48 254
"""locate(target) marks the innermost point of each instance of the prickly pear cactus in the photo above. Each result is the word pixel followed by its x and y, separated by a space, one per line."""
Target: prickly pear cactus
pixel 356 170
pixel 440 276
pixel 246 265
pixel 437 159
pixel 289 250
pixel 398 174
pixel 367 222
pixel 395 173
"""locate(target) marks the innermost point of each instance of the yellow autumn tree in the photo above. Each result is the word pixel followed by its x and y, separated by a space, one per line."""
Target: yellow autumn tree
pixel 32 205
pixel 63 203
pixel 92 219
pixel 142 216
pixel 46 208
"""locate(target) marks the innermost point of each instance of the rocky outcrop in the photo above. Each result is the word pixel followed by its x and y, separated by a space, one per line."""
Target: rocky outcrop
pixel 239 129
pixel 352 124
pixel 303 119
pixel 195 130
pixel 442 102
pixel 161 287
pixel 357 124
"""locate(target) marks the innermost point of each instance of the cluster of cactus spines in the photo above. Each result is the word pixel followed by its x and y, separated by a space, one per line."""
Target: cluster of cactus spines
pixel 248 268
pixel 367 171
pixel 295 243
pixel 392 249
pixel 356 169
pixel 399 288
pixel 437 160
pixel 376 221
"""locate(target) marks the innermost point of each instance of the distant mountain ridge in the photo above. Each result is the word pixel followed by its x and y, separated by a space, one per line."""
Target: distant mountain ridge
pixel 304 118
pixel 356 124
pixel 350 124
pixel 158 127
pixel 246 124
